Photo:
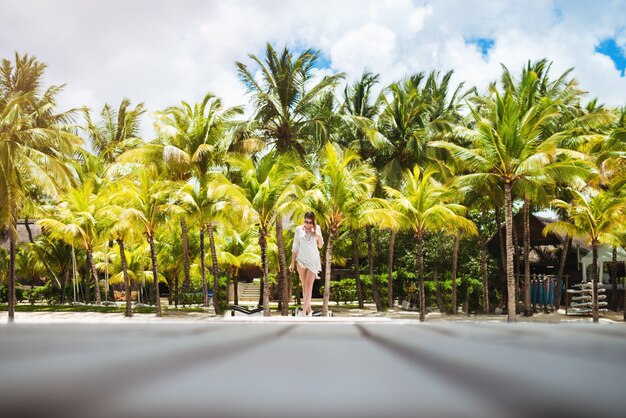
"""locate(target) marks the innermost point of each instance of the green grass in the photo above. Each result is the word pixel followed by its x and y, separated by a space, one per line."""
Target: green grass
pixel 94 308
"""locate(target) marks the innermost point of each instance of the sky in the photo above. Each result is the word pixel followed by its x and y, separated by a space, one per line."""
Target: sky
pixel 161 52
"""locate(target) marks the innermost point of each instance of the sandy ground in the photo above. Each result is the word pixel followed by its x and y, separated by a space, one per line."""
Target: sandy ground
pixel 340 314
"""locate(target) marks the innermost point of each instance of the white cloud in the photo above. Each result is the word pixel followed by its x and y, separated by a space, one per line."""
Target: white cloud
pixel 371 46
pixel 418 16
pixel 162 52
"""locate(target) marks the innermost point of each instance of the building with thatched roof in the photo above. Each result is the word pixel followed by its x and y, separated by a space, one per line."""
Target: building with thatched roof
pixel 22 233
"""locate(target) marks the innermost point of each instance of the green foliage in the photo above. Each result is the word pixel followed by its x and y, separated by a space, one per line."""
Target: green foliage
pixel 343 291
pixel 196 297
pixel 4 294
pixel 469 291
pixel 47 293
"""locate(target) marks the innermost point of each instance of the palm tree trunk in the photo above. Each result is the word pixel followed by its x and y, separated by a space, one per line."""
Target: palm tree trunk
pixel 66 279
pixel 614 279
pixel 483 269
pixel 86 288
pixel 594 303
pixel 11 291
pixel 216 271
pixel 186 265
pixel 370 265
pixel 510 277
pixel 527 308
pixel 155 273
pixel 357 268
pixel 566 245
pixel 236 286
pixel 502 240
pixel 392 240
pixel 438 294
pixel 420 256
pixel 129 308
pixel 282 262
pixel 455 268
pixel 265 289
pixel 94 275
pixel 624 307
pixel 170 285
pixel 176 290
pixel 329 258
pixel 205 289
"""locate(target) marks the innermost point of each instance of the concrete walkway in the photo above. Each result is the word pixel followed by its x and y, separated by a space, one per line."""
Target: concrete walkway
pixel 310 367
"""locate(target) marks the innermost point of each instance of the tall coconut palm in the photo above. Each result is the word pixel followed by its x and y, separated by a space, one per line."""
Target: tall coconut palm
pixel 242 249
pixel 148 198
pixel 210 200
pixel 192 140
pixel 287 117
pixel 266 185
pixel 359 109
pixel 116 132
pixel 119 225
pixel 344 184
pixel 136 257
pixel 33 142
pixel 596 218
pixel 76 221
pixel 283 98
pixel 534 86
pixel 414 112
pixel 426 205
pixel 508 149
pixel 169 253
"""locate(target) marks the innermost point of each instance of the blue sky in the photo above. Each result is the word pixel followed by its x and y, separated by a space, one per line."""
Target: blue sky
pixel 612 49
pixel 161 52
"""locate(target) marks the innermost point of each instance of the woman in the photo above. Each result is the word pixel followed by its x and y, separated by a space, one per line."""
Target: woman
pixel 306 244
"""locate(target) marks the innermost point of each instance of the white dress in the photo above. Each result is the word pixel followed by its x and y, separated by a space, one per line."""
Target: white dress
pixel 306 246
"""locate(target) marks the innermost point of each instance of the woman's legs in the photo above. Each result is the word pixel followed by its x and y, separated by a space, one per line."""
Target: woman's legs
pixel 310 279
pixel 306 301
pixel 307 277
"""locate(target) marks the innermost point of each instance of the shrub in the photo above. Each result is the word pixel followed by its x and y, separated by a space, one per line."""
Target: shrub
pixel 47 293
pixel 4 294
pixel 343 290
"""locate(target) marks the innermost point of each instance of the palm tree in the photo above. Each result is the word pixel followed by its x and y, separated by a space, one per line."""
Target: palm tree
pixel 533 87
pixel 267 186
pixel 58 254
pixel 415 111
pixel 426 205
pixel 116 132
pixel 287 114
pixel 345 183
pixel 508 149
pixel 595 217
pixel 284 98
pixel 136 259
pixel 359 109
pixel 169 253
pixel 33 143
pixel 148 198
pixel 192 140
pixel 75 220
pixel 241 251
pixel 210 200
pixel 119 224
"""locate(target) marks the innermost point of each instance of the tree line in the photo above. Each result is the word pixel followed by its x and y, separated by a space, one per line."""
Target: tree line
pixel 416 157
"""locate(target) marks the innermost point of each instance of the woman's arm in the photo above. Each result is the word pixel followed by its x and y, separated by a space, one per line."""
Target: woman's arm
pixel 293 262
pixel 319 238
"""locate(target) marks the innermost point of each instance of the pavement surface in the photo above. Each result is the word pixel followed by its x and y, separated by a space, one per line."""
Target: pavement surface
pixel 309 367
